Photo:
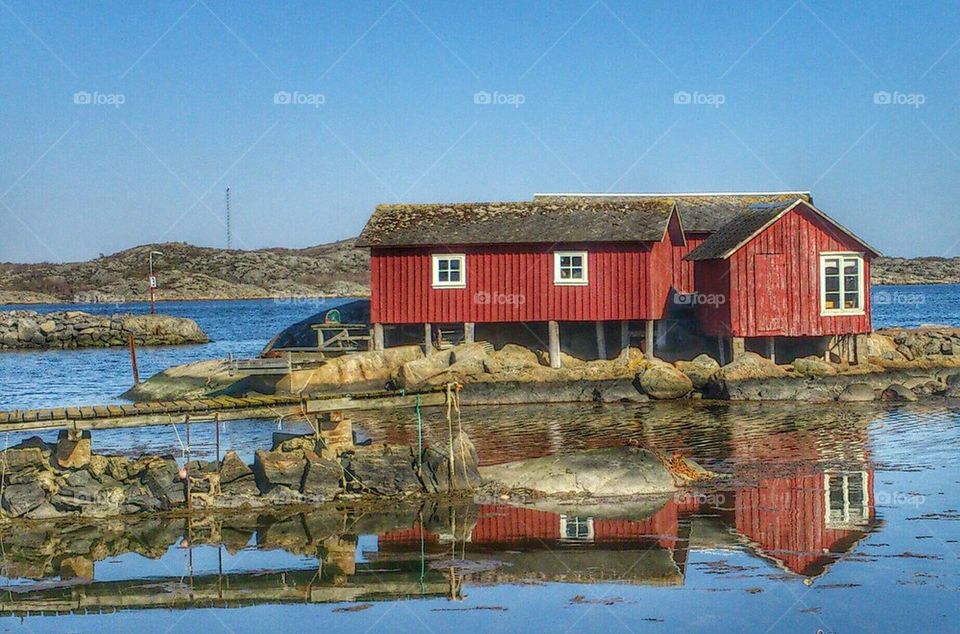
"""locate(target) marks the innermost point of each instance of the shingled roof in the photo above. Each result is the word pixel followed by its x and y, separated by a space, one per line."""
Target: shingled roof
pixel 536 221
pixel 758 216
pixel 700 212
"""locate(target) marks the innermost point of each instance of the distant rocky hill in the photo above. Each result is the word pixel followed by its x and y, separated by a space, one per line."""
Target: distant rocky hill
pixel 188 272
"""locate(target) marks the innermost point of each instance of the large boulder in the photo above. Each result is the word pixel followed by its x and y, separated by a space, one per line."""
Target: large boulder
pixel 513 358
pixel 436 467
pixel 619 471
pixel 321 478
pixel 898 393
pixel 700 369
pixel 32 455
pixel 381 470
pixel 418 371
pixel 20 499
pixel 750 365
pixel 162 477
pixel 660 380
pixel 278 468
pixel 73 453
pixel 814 367
pixel 857 393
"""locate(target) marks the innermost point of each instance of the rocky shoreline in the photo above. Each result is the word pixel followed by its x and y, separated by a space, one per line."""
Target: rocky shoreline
pixel 48 481
pixel 26 330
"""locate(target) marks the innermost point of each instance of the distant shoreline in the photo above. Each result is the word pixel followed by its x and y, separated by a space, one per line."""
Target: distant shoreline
pixel 326 271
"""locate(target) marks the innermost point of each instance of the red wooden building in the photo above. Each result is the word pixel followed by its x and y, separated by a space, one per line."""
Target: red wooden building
pixel 573 268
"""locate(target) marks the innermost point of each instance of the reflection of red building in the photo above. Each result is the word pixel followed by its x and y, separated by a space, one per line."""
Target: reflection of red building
pixel 803 522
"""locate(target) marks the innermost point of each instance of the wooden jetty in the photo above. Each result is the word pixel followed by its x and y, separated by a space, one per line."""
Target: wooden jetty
pixel 224 408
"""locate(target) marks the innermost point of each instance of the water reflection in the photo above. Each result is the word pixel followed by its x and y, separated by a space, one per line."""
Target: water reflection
pixel 803 523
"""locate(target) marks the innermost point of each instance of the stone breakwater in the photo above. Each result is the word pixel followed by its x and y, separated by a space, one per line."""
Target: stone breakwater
pixel 51 480
pixel 21 329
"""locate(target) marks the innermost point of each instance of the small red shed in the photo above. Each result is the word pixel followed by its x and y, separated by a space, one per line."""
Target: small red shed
pixel 782 270
pixel 546 262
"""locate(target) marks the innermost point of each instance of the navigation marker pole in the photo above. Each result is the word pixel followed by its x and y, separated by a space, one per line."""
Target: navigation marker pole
pixel 229 239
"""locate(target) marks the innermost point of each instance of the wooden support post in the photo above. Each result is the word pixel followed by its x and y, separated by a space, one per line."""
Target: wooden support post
pixel 772 349
pixel 649 338
pixel 554 332
pixel 722 346
pixel 738 346
pixel 378 337
pixel 469 332
pixel 427 339
pixel 133 360
pixel 601 341
pixel 624 335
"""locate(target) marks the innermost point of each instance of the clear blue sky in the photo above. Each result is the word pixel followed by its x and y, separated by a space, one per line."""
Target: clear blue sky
pixel 398 118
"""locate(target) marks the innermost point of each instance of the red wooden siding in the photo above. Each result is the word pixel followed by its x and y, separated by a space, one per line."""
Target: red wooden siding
pixel 774 283
pixel 510 283
pixel 682 269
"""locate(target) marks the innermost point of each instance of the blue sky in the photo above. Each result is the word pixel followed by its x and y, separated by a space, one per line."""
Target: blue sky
pixel 583 97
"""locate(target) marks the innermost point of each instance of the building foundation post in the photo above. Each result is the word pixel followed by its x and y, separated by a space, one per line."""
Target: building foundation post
pixel 722 346
pixel 469 332
pixel 427 339
pixel 862 348
pixel 738 346
pixel 554 332
pixel 378 337
pixel 601 341
pixel 624 334
pixel 772 349
pixel 649 337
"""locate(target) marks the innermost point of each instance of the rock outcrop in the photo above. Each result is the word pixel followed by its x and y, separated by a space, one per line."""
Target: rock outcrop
pixel 21 329
pixel 621 471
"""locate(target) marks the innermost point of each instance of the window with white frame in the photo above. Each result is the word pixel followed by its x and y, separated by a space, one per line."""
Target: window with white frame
pixel 841 284
pixel 449 271
pixel 570 268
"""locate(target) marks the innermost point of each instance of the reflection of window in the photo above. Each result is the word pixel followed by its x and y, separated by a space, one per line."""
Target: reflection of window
pixel 449 271
pixel 570 268
pixel 576 528
pixel 841 283
pixel 847 499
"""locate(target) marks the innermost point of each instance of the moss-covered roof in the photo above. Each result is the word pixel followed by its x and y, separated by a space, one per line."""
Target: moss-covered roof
pixel 536 221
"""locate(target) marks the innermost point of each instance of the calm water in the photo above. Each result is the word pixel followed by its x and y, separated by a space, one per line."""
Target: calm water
pixel 834 519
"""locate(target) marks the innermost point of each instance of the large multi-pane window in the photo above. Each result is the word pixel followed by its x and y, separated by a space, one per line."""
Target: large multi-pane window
pixel 841 283
pixel 449 271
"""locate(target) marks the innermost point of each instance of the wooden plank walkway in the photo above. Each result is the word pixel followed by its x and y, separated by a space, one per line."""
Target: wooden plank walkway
pixel 113 416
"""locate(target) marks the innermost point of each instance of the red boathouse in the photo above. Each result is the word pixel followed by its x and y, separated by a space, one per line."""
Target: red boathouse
pixel 586 273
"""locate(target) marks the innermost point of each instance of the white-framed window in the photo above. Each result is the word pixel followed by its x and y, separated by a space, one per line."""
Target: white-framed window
pixel 570 268
pixel 449 270
pixel 574 528
pixel 841 284
pixel 846 499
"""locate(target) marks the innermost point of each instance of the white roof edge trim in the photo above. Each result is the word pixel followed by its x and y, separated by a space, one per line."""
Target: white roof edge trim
pixel 665 194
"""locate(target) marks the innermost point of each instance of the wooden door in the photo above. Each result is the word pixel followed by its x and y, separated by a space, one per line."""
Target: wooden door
pixel 770 292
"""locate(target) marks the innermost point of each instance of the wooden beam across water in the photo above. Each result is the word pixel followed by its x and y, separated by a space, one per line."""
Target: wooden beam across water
pixel 116 416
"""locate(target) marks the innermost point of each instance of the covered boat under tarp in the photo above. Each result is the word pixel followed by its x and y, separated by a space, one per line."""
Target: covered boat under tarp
pixel 337 330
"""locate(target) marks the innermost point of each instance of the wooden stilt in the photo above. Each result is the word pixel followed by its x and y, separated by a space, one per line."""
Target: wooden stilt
pixel 601 341
pixel 469 332
pixel 427 338
pixel 624 335
pixel 554 332
pixel 722 347
pixel 772 349
pixel 378 343
pixel 650 338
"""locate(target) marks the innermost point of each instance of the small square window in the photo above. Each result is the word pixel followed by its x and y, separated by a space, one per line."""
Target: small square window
pixel 570 268
pixel 449 271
